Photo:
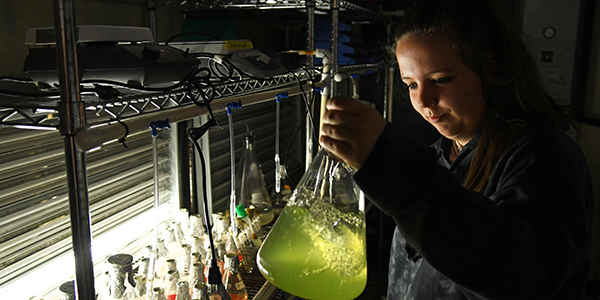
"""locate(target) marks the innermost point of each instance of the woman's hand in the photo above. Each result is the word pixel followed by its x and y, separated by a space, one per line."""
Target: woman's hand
pixel 350 129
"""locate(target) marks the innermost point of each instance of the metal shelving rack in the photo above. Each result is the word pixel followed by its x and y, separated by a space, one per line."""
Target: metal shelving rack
pixel 74 112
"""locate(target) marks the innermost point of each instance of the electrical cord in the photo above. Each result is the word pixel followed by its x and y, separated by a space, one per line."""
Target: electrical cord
pixel 306 113
pixel 218 72
pixel 214 274
pixel 308 105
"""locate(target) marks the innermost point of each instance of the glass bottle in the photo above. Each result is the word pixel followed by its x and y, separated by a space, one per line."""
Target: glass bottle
pixel 171 285
pixel 253 190
pixel 140 283
pixel 183 290
pixel 143 266
pixel 120 269
pixel 196 228
pixel 196 257
pixel 200 291
pixel 158 293
pixel 317 247
pixel 255 230
pixel 197 275
pixel 232 279
pixel 171 264
pixel 177 231
pixel 198 246
pixel 162 248
pixel 186 259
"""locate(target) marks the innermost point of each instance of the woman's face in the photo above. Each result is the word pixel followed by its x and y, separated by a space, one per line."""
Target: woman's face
pixel 442 88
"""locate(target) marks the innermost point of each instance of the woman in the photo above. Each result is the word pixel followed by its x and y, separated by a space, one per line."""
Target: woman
pixel 500 206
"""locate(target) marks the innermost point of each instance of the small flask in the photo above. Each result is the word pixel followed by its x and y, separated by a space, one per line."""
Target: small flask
pixel 252 186
pixel 140 283
pixel 143 266
pixel 171 242
pixel 183 290
pixel 232 279
pixel 221 249
pixel 196 228
pixel 196 257
pixel 171 285
pixel 197 275
pixel 186 258
pixel 256 233
pixel 177 231
pixel 200 291
pixel 159 293
pixel 246 248
pixel 198 245
pixel 162 248
pixel 171 264
pixel 120 268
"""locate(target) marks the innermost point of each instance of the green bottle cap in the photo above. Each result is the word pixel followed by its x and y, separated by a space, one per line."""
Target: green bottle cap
pixel 241 211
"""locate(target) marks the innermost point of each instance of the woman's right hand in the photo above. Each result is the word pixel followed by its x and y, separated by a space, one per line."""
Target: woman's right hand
pixel 350 129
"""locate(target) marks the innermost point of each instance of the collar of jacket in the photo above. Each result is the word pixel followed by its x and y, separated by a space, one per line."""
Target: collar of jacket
pixel 442 146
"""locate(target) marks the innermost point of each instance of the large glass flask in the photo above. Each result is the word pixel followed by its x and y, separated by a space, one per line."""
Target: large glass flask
pixel 253 190
pixel 317 247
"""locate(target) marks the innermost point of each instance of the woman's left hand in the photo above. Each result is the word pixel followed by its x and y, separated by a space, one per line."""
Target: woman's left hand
pixel 350 129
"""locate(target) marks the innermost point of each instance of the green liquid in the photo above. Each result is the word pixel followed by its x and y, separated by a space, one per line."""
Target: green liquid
pixel 316 254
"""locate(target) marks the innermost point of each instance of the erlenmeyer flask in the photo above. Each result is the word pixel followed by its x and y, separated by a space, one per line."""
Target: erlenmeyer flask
pixel 253 190
pixel 317 247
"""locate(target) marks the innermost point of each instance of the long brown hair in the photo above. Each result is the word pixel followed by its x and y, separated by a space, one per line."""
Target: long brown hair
pixel 493 48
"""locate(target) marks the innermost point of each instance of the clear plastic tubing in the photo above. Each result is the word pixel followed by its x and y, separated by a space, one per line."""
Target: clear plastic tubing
pixel 232 197
pixel 277 159
pixel 155 125
pixel 152 262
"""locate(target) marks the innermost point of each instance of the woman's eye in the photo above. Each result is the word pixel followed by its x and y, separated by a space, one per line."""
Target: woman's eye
pixel 412 86
pixel 442 80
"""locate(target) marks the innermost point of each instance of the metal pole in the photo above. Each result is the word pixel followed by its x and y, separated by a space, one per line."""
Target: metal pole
pixel 335 20
pixel 152 19
pixel 72 117
pixel 310 45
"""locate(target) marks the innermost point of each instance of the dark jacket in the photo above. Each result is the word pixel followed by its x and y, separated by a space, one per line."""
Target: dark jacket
pixel 526 237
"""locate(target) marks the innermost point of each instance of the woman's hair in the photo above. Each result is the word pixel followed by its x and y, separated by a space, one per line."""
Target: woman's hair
pixel 494 49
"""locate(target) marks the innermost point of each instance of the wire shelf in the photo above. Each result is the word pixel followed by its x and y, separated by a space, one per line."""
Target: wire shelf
pixel 270 4
pixel 33 110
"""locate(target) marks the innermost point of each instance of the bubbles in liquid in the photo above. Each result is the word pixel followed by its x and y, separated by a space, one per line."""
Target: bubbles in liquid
pixel 339 236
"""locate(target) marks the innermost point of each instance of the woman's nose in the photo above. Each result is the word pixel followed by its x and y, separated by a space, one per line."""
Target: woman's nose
pixel 423 97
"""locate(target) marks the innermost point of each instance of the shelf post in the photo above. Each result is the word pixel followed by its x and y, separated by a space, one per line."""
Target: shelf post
pixel 72 117
pixel 335 21
pixel 152 19
pixel 310 64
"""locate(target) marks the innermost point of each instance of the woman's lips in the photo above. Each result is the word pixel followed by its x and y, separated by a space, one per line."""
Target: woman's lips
pixel 437 118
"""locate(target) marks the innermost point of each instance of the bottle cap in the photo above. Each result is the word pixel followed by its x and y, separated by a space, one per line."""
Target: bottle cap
pixel 241 211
